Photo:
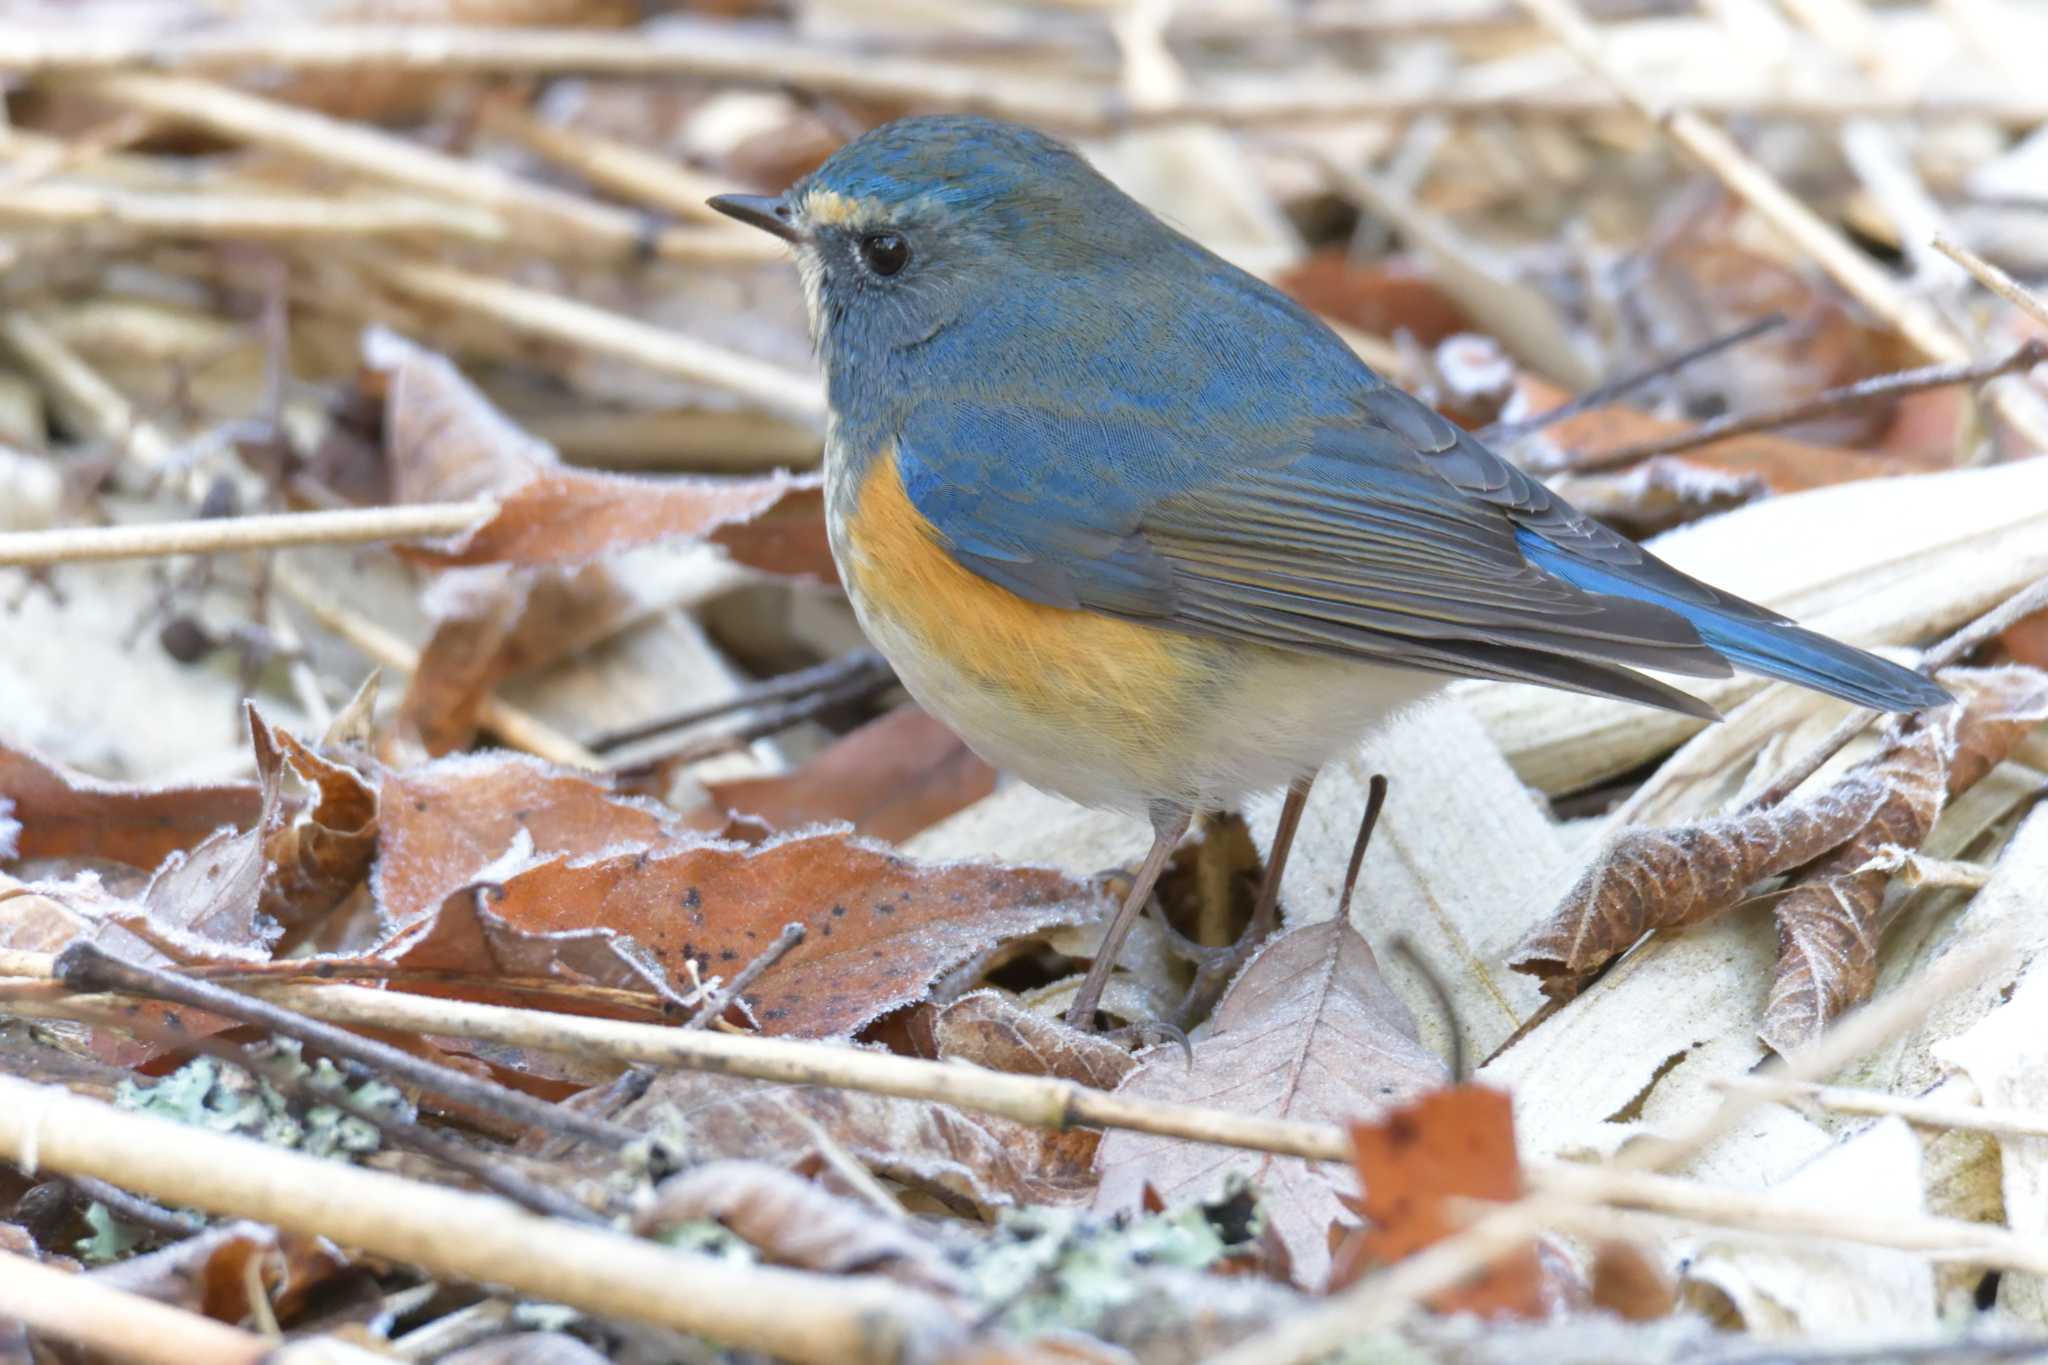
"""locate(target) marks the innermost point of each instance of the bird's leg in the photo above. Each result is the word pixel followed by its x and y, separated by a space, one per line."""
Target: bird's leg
pixel 1265 917
pixel 1375 797
pixel 1169 823
pixel 1214 967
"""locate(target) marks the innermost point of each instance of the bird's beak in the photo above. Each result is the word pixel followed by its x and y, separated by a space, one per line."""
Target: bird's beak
pixel 768 212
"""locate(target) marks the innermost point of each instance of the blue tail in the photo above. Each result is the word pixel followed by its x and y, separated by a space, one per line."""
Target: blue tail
pixel 1751 638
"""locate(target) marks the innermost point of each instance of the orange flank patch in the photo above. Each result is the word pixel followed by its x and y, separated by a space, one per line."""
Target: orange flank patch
pixel 1104 676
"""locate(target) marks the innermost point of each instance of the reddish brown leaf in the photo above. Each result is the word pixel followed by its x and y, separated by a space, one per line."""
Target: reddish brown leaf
pixel 889 779
pixel 444 822
pixel 793 1222
pixel 62 814
pixel 323 852
pixel 1382 298
pixel 1309 1031
pixel 880 928
pixel 1831 923
pixel 1452 1144
pixel 447 442
pixel 990 1030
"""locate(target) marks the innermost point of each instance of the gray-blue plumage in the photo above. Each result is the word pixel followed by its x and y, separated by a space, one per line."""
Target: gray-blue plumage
pixel 1212 458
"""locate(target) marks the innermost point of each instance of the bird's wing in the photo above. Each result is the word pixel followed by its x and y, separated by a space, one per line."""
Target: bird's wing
pixel 1390 537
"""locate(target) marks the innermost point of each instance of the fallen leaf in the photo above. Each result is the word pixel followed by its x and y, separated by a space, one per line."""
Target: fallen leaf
pixel 977 1160
pixel 1451 1144
pixel 1831 923
pixel 447 442
pixel 1309 1031
pixel 990 1030
pixel 444 822
pixel 793 1222
pixel 61 814
pixel 1628 1284
pixel 890 779
pixel 879 928
pixel 322 852
pixel 1382 298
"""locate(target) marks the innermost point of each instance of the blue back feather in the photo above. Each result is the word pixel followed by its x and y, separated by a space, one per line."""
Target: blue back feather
pixel 1755 643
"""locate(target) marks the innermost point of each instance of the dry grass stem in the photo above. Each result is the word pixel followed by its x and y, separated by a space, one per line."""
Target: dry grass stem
pixel 97 406
pixel 70 1307
pixel 221 214
pixel 712 52
pixel 802 1317
pixel 1994 279
pixel 608 333
pixel 541 216
pixel 1917 1110
pixel 354 526
pixel 1761 1211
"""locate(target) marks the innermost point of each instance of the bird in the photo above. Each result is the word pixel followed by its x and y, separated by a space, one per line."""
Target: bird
pixel 1146 533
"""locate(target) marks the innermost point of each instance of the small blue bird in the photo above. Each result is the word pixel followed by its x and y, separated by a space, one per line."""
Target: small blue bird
pixel 1145 532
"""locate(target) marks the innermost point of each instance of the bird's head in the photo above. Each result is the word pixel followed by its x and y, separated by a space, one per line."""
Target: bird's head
pixel 925 221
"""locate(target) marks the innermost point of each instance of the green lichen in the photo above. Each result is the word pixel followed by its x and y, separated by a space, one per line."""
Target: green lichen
pixel 223 1098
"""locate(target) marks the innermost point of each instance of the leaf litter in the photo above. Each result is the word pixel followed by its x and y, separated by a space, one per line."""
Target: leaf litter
pixel 654 540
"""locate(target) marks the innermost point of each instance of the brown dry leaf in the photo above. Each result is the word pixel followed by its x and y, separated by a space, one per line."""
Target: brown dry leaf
pixel 1451 1144
pixel 447 442
pixel 1669 878
pixel 879 928
pixel 1628 1284
pixel 62 814
pixel 793 1222
pixel 990 1030
pixel 324 851
pixel 1310 1031
pixel 444 822
pixel 890 779
pixel 973 1159
pixel 1830 925
pixel 1382 298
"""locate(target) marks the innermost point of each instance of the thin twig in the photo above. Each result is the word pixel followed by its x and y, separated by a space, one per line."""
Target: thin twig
pixel 827 676
pixel 224 535
pixel 133 1208
pixel 1607 393
pixel 1846 398
pixel 86 967
pixel 450 1151
pixel 791 935
pixel 769 720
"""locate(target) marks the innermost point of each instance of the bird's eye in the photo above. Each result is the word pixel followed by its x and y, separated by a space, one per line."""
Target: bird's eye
pixel 885 252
